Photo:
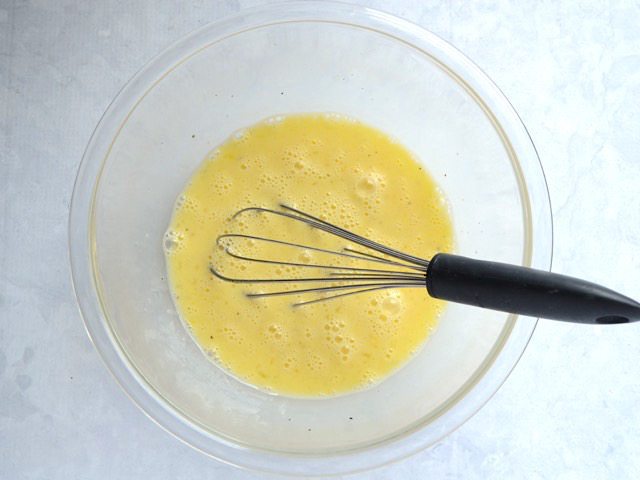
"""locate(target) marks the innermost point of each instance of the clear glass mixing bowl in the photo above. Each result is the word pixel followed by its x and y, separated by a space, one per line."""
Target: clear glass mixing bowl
pixel 302 57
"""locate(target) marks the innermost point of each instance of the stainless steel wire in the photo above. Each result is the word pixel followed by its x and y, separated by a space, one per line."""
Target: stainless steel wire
pixel 347 280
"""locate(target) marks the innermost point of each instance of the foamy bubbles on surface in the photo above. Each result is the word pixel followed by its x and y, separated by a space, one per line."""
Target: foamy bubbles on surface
pixel 335 168
pixel 213 155
pixel 274 120
pixel 172 241
pixel 339 117
pixel 179 201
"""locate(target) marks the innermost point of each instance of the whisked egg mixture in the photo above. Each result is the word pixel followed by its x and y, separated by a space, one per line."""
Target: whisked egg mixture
pixel 342 171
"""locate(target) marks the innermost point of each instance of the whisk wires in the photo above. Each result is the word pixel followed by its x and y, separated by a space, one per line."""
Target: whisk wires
pixel 401 270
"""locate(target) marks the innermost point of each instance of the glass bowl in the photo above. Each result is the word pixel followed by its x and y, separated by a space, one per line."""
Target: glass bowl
pixel 302 57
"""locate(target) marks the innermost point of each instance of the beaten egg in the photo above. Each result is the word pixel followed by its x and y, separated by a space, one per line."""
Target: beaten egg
pixel 344 172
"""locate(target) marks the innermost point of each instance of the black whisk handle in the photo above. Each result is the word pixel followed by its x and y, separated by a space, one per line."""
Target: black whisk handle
pixel 526 291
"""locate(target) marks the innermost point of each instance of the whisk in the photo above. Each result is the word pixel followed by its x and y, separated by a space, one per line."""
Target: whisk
pixel 492 285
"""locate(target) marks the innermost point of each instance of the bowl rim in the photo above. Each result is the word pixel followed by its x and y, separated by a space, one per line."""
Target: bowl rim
pixel 516 334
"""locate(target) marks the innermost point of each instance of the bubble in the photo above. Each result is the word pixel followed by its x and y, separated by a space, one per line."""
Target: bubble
pixel 274 120
pixel 169 245
pixel 276 331
pixel 392 304
pixel 305 256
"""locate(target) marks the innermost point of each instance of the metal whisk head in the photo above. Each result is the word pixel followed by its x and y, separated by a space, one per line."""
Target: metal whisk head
pixel 395 269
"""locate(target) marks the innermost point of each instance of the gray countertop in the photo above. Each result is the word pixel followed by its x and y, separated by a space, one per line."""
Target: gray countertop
pixel 570 408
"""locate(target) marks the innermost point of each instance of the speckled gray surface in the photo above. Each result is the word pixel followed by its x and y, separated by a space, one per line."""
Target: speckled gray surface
pixel 569 410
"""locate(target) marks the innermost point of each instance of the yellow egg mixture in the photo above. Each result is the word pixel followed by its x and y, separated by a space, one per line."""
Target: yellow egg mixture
pixel 344 172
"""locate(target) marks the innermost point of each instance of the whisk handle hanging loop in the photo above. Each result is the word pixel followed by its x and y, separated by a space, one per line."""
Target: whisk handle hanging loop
pixel 526 291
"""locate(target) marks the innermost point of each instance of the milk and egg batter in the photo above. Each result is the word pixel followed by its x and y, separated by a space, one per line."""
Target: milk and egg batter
pixel 344 172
